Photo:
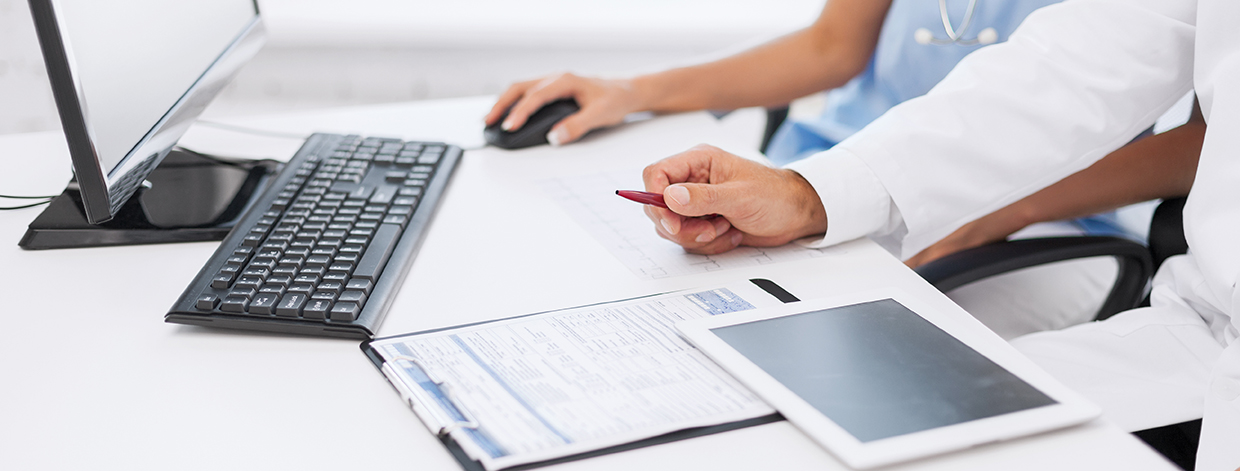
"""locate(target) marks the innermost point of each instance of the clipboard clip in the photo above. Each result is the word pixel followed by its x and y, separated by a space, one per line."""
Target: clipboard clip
pixel 441 393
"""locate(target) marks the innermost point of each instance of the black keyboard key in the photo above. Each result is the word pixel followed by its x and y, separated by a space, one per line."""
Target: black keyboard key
pixel 276 245
pixel 230 269
pixel 221 281
pixel 305 288
pixel 290 305
pixel 316 309
pixel 234 304
pixel 333 286
pixel 410 191
pixel 362 192
pixel 262 262
pixel 325 295
pixel 264 303
pixel 258 271
pixel 252 240
pixel 298 252
pixel 381 246
pixel 383 195
pixel 345 312
pixel 352 296
pixel 207 302
pixel 360 285
pixel 282 280
pixel 246 292
pixel 336 276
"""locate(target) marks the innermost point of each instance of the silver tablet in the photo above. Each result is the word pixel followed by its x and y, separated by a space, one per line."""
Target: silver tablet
pixel 876 382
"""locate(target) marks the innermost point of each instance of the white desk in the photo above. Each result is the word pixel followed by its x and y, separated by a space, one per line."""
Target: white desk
pixel 93 379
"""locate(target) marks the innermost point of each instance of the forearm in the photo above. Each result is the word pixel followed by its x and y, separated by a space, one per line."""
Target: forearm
pixel 1159 166
pixel 825 55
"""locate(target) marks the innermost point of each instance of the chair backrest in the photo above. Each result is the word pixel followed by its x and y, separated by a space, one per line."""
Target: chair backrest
pixel 1167 230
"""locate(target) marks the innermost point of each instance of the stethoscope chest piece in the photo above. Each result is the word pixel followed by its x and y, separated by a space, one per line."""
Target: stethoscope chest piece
pixel 954 35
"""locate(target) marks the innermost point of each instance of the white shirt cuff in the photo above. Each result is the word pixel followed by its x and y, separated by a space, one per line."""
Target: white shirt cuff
pixel 857 204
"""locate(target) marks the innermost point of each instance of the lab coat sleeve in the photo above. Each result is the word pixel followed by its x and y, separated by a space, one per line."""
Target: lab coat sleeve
pixel 1076 81
pixel 851 195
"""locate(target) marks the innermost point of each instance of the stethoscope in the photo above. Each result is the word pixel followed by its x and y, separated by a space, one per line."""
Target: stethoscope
pixel 986 36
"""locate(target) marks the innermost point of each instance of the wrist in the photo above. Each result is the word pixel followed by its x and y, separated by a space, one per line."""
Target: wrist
pixel 647 92
pixel 810 211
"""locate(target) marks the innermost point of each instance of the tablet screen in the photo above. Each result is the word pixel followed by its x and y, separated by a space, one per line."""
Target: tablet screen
pixel 879 370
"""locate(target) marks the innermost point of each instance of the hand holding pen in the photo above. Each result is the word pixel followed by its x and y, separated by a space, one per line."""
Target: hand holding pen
pixel 752 204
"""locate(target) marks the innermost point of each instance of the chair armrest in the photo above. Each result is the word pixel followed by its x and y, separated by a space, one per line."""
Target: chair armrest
pixel 967 266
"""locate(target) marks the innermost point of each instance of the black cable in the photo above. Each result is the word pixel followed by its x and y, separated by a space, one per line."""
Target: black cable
pixel 27 197
pixel 31 205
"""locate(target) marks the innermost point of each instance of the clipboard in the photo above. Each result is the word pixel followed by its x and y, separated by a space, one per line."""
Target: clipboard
pixel 445 414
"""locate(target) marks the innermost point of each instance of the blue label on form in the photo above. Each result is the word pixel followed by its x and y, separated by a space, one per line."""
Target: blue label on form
pixel 719 301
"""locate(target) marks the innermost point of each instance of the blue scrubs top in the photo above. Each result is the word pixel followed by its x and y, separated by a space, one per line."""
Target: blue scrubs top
pixel 900 69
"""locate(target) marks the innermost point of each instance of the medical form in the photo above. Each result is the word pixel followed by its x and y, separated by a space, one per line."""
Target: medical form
pixel 550 385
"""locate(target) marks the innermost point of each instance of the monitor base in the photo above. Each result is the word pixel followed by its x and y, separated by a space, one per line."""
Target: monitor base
pixel 189 198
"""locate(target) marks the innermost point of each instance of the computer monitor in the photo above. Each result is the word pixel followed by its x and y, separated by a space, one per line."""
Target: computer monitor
pixel 129 78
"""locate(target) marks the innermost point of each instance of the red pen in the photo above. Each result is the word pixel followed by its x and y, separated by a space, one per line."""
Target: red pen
pixel 643 197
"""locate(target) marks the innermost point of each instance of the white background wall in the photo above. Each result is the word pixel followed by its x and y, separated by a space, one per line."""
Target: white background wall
pixel 340 52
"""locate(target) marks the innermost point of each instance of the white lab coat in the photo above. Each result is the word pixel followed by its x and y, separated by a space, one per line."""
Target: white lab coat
pixel 1075 82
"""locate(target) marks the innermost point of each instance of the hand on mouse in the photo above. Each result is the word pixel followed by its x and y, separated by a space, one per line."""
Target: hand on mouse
pixel 756 205
pixel 603 102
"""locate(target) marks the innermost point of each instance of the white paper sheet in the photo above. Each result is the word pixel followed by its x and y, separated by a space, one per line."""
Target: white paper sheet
pixel 622 227
pixel 556 384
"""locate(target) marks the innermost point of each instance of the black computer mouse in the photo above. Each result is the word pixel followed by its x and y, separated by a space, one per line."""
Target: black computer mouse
pixel 535 130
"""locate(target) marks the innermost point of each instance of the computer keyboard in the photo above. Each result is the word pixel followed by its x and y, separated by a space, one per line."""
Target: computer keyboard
pixel 325 248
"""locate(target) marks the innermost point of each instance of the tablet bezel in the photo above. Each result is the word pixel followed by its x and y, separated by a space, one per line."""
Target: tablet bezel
pixel 1070 408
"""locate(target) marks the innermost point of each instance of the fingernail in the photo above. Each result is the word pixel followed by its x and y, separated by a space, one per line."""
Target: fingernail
pixel 736 238
pixel 556 137
pixel 507 126
pixel 705 237
pixel 667 225
pixel 678 193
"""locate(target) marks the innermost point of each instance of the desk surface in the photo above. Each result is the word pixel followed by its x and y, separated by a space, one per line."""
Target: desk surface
pixel 94 379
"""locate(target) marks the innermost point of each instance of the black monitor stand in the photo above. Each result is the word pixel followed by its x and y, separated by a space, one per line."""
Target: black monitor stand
pixel 189 197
